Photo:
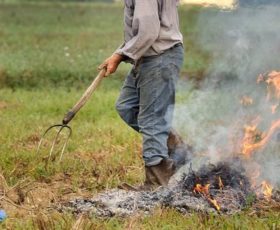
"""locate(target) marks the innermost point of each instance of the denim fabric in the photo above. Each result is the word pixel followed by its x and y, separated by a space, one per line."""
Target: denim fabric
pixel 146 101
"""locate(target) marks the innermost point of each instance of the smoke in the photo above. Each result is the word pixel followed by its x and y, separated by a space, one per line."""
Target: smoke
pixel 243 44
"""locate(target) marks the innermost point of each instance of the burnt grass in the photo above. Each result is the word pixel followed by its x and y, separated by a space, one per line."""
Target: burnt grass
pixel 231 196
pixel 229 174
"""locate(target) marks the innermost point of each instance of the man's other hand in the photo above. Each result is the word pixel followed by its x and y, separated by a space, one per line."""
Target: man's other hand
pixel 111 64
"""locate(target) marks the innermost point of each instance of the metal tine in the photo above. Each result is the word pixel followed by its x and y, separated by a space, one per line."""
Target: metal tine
pixel 55 140
pixel 43 136
pixel 66 142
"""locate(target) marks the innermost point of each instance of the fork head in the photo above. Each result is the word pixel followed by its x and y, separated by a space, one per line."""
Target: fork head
pixel 59 128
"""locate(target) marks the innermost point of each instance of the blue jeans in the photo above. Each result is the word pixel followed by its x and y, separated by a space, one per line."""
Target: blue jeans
pixel 146 102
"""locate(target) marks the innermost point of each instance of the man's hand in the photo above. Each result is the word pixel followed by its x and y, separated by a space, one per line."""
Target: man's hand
pixel 111 64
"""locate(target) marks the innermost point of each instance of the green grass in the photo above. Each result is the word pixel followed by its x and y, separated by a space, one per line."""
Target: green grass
pixel 62 44
pixel 97 132
pixel 48 55
pixel 55 42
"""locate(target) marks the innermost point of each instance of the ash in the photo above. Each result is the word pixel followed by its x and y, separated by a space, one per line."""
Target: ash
pixel 125 203
pixel 231 197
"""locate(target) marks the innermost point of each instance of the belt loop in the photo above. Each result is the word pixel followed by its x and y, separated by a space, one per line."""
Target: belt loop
pixel 136 65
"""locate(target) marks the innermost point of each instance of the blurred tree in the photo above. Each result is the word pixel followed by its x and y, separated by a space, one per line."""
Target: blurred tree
pixel 107 1
pixel 258 2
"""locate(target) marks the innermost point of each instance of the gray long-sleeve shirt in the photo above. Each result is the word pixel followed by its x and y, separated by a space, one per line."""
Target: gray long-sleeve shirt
pixel 150 27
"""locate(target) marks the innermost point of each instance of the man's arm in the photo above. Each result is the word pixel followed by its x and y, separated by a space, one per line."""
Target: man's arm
pixel 111 64
pixel 146 26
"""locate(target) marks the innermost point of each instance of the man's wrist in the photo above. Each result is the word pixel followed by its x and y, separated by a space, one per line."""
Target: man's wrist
pixel 118 57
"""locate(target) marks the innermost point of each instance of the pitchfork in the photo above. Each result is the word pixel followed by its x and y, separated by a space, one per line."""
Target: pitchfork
pixel 69 116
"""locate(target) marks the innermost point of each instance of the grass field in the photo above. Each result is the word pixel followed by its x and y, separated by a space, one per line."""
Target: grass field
pixel 64 43
pixel 48 55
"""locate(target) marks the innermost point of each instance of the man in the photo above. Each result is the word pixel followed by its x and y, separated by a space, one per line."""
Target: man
pixel 153 44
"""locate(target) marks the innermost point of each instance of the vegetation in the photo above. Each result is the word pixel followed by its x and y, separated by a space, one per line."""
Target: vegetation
pixel 48 54
pixel 63 43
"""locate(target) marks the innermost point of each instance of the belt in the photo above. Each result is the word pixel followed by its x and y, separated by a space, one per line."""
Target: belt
pixel 140 60
pixel 176 45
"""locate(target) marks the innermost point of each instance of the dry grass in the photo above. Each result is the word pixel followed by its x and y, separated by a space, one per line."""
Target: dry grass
pixel 102 151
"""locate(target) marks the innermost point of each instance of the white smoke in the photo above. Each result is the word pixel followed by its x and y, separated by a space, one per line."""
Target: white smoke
pixel 243 44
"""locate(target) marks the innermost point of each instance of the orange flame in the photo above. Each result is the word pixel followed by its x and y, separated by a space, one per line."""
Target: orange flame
pixel 273 82
pixel 201 189
pixel 214 203
pixel 267 190
pixel 254 172
pixel 250 140
pixel 274 108
pixel 246 101
pixel 204 190
pixel 251 136
pixel 221 185
pixel 260 78
pixel 254 139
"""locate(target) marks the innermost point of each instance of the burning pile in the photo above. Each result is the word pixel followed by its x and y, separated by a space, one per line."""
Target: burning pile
pixel 221 179
pixel 218 188
pixel 223 187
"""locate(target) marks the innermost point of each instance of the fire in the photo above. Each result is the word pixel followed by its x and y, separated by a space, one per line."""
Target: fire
pixel 254 172
pixel 267 190
pixel 260 78
pixel 201 189
pixel 214 203
pixel 221 185
pixel 246 101
pixel 251 137
pixel 204 190
pixel 254 139
pixel 273 81
pixel 274 108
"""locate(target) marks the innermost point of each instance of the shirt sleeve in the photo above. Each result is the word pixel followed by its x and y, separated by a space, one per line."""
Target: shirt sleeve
pixel 145 26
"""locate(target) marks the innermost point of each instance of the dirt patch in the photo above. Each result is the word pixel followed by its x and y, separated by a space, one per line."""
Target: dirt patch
pixel 3 105
pixel 29 143
pixel 29 197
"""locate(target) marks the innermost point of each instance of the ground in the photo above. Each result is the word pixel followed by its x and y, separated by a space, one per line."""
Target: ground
pixel 48 55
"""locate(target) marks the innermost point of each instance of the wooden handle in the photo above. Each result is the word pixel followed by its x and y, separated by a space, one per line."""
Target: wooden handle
pixel 69 116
